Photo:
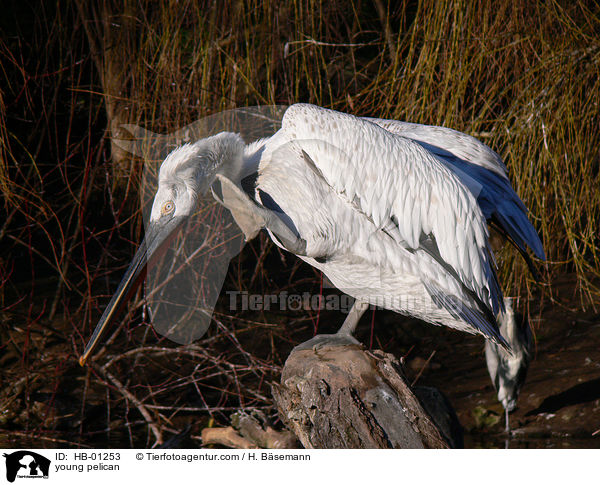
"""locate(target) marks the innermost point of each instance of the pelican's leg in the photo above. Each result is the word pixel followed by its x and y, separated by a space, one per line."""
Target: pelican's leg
pixel 343 335
pixel 356 312
pixel 252 217
pixel 506 421
pixel 292 242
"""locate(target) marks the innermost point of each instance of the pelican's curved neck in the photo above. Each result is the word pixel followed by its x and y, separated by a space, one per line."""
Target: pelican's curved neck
pixel 224 154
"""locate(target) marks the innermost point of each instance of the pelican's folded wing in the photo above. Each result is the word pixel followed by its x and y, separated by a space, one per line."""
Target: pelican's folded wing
pixel 393 178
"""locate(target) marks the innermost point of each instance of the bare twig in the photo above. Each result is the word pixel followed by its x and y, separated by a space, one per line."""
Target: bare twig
pixel 135 401
pixel 422 368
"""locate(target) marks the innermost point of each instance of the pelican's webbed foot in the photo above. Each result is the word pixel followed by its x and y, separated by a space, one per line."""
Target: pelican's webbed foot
pixel 343 335
pixel 319 342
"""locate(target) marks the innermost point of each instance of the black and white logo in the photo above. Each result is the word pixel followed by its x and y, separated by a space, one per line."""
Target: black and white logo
pixel 26 464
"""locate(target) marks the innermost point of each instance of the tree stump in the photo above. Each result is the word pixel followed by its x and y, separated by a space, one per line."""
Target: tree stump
pixel 347 397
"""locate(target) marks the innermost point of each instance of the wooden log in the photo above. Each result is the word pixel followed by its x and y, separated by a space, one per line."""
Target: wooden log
pixel 249 431
pixel 347 397
pixel 228 437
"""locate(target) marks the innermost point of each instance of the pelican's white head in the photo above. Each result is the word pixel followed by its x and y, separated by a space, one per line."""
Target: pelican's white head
pixel 186 173
pixel 189 170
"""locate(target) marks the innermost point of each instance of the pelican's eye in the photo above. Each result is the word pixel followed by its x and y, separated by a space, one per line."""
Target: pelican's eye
pixel 168 207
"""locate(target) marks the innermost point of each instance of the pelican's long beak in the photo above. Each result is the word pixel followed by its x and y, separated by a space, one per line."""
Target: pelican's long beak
pixel 158 236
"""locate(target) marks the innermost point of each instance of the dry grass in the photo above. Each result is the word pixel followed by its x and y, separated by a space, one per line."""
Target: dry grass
pixel 521 76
